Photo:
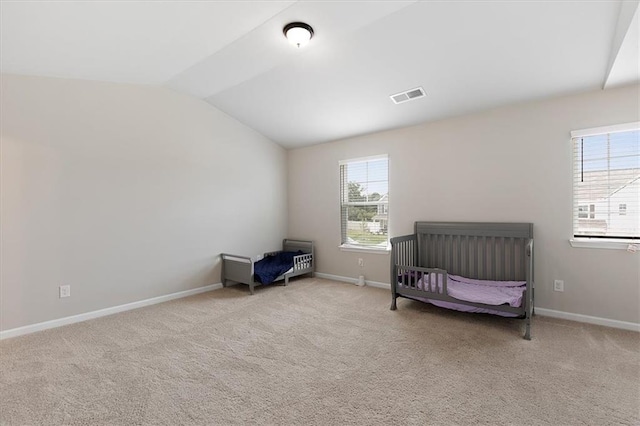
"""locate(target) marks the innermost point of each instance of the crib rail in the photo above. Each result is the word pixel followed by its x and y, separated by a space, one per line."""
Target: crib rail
pixel 404 251
pixel 302 261
pixel 425 280
pixel 493 254
pixel 431 283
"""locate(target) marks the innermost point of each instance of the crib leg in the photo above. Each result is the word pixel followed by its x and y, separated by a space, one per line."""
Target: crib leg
pixel 286 280
pixel 251 289
pixel 531 309
pixel 393 304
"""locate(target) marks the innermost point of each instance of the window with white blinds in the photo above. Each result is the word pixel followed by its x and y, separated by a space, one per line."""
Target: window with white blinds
pixel 364 202
pixel 606 182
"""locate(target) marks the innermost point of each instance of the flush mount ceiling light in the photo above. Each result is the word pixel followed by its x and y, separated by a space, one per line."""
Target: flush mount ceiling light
pixel 298 33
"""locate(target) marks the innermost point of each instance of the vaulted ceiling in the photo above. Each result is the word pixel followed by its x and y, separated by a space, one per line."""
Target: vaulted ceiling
pixel 467 56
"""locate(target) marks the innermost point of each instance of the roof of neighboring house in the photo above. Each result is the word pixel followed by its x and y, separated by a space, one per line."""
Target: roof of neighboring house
pixel 631 182
pixel 601 184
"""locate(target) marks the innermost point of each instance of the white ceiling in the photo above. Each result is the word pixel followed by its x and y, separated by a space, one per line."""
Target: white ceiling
pixel 146 42
pixel 467 56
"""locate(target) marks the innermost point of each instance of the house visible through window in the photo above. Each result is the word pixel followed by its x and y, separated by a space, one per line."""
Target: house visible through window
pixel 606 182
pixel 364 202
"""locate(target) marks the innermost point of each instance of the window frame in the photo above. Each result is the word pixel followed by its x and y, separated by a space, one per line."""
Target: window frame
pixel 631 244
pixel 344 246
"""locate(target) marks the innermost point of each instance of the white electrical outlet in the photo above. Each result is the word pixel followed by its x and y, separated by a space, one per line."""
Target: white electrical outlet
pixel 558 285
pixel 65 291
pixel 360 262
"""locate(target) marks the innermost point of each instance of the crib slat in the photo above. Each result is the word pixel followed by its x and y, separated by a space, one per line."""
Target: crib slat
pixel 483 265
pixel 459 244
pixel 499 261
pixel 508 251
pixel 513 259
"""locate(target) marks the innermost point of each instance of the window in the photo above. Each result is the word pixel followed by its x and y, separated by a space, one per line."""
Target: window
pixel 587 211
pixel 606 183
pixel 364 202
pixel 582 211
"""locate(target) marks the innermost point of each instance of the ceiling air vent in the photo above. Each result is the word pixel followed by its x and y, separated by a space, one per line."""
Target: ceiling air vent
pixel 409 95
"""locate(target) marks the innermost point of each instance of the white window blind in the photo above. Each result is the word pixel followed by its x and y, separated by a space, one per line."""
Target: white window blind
pixel 606 182
pixel 364 202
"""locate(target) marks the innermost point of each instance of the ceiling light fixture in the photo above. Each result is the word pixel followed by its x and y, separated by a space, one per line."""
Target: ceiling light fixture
pixel 298 33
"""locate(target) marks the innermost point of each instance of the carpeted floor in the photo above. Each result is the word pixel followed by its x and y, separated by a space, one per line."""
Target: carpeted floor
pixel 318 352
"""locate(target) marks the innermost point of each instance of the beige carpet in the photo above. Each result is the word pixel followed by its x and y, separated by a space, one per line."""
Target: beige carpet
pixel 318 352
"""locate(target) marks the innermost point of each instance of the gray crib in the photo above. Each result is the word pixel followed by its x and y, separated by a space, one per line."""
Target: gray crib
pixel 477 250
pixel 240 269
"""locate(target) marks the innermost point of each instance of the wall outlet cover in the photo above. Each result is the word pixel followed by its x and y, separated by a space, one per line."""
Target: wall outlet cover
pixel 65 291
pixel 558 285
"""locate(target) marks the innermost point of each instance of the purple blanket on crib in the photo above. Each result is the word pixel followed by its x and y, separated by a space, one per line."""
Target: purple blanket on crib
pixel 479 291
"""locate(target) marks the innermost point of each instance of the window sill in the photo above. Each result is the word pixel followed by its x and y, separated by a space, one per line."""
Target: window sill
pixel 346 247
pixel 630 245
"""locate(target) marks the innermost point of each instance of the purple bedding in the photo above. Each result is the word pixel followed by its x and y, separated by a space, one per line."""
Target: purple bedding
pixel 479 291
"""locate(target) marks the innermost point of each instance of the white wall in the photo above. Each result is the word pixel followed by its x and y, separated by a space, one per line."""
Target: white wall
pixel 125 193
pixel 508 164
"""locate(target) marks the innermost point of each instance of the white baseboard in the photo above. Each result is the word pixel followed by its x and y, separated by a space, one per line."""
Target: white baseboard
pixel 377 284
pixel 588 319
pixel 353 280
pixel 539 311
pixel 155 300
pixel 14 332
